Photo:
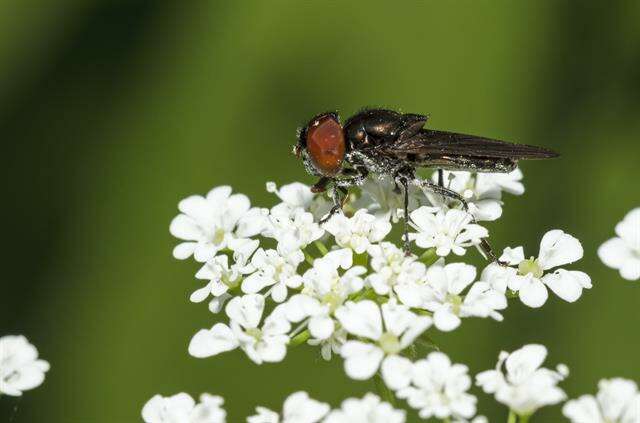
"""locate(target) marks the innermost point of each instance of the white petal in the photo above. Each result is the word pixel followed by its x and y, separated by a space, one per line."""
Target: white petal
pixel 301 306
pixel 512 256
pixel 200 295
pixel 361 319
pixel 299 408
pixel 523 362
pixel 445 320
pixel 321 327
pixel 564 285
pixel 629 229
pixel 184 227
pixel 583 410
pixel 533 293
pixel 614 253
pixel 246 310
pixel 630 270
pixel 361 360
pixel 558 248
pixel 396 372
pixel 218 339
pixel 184 250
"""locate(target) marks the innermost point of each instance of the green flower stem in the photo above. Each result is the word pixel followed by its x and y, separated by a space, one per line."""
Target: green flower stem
pixel 365 294
pixel 429 257
pixel 361 259
pixel 300 338
pixel 513 418
pixel 321 247
pixel 308 258
pixel 525 418
pixel 383 390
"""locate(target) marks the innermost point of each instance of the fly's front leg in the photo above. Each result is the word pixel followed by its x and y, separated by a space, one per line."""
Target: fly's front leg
pixel 446 192
pixel 337 204
pixel 441 177
pixel 340 191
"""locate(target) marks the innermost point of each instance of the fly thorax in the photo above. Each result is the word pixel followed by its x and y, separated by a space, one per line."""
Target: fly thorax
pixel 530 266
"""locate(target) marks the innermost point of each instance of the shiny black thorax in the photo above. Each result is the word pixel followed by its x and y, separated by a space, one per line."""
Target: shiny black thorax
pixel 373 127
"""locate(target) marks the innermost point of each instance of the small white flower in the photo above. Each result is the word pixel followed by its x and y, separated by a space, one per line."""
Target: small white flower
pixel 293 230
pixel 297 195
pixel 297 408
pixel 447 231
pixel 618 401
pixel 393 269
pixel 273 269
pixel 265 344
pixel 623 251
pixel 221 279
pixel 526 386
pixel 381 197
pixel 443 296
pixel 357 232
pixel 401 327
pixel 324 291
pixel 330 345
pixel 324 282
pixel 20 368
pixel 482 193
pixel 439 388
pixel 181 408
pixel 507 182
pixel 208 224
pixel 530 281
pixel 369 409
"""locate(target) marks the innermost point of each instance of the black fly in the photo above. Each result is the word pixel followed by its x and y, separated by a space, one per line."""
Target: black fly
pixel 385 142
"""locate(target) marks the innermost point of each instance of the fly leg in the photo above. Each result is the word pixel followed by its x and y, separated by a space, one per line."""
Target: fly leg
pixel 446 192
pixel 441 177
pixel 340 186
pixel 405 235
pixel 337 203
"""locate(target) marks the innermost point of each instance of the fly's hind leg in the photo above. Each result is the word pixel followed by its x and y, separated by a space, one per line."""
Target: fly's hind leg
pixel 403 177
pixel 447 193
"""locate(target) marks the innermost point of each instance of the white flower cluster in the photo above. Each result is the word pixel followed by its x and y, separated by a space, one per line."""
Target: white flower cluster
pixel 20 368
pixel 297 408
pixel 282 278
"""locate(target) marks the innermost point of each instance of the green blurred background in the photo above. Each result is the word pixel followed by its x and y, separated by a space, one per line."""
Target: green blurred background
pixel 110 112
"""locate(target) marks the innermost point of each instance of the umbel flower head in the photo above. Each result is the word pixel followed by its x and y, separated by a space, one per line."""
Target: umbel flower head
pixel 347 288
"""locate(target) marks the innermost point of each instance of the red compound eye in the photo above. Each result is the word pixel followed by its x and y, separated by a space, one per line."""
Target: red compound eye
pixel 325 145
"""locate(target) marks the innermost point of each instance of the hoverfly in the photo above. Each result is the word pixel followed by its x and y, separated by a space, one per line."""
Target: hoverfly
pixel 385 142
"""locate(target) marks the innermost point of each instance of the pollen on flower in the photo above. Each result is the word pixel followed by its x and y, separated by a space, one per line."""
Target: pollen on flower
pixel 390 343
pixel 530 266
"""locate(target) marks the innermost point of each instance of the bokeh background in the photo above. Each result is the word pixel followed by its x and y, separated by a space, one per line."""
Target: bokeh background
pixel 112 111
